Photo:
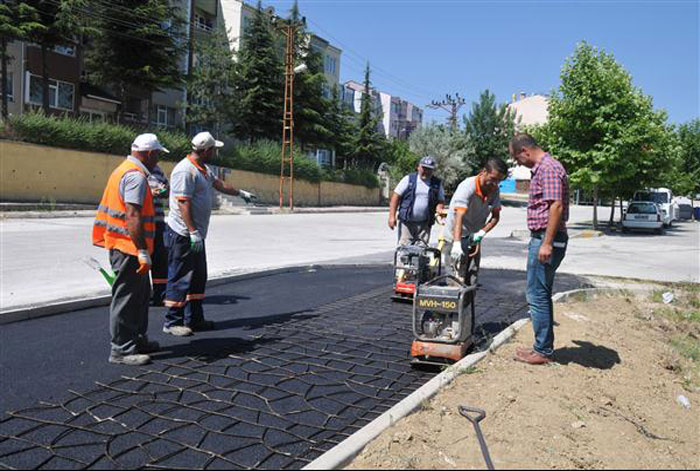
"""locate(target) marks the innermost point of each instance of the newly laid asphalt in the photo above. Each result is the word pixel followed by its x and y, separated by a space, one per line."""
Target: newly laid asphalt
pixel 297 363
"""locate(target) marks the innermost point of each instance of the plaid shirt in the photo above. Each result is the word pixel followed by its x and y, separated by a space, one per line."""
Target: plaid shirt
pixel 158 183
pixel 549 183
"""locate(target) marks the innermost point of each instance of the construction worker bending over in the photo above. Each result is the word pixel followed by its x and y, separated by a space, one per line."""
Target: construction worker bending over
pixel 418 196
pixel 191 184
pixel 473 201
pixel 124 225
pixel 158 183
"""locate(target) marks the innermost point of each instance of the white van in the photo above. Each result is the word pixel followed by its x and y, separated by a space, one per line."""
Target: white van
pixel 663 197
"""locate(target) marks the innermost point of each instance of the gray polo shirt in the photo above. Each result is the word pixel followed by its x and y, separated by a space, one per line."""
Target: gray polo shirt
pixel 133 185
pixel 189 182
pixel 421 210
pixel 478 210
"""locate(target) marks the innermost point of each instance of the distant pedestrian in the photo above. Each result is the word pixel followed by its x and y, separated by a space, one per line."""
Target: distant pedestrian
pixel 547 213
pixel 125 226
pixel 191 184
pixel 158 183
pixel 417 197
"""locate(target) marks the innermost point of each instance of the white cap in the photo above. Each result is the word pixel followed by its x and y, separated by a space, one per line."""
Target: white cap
pixel 204 140
pixel 148 141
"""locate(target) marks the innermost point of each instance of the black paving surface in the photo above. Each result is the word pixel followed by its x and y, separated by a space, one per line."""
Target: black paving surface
pixel 298 363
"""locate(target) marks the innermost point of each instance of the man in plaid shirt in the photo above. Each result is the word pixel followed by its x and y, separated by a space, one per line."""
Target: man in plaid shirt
pixel 547 213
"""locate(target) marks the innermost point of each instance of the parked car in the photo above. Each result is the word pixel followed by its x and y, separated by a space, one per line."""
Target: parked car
pixel 664 198
pixel 643 215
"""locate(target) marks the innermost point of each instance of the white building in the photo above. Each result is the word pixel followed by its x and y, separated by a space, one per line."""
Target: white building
pixel 529 110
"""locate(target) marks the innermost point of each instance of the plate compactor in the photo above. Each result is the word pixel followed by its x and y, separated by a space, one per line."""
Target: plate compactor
pixel 414 264
pixel 443 313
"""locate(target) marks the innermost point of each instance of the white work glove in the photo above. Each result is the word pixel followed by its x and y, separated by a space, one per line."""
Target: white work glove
pixel 479 235
pixel 144 262
pixel 247 196
pixel 196 242
pixel 456 251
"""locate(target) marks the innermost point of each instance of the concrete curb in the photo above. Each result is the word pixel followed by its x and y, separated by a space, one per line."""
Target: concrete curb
pixel 59 307
pixel 344 452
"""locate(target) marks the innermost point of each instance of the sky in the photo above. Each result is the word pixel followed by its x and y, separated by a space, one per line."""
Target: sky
pixel 421 50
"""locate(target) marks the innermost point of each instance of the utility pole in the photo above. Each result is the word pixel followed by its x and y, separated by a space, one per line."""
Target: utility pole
pixel 287 170
pixel 451 105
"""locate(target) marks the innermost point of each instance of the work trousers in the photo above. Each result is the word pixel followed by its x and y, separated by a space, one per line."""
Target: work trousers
pixel 540 282
pixel 159 267
pixel 128 312
pixel 414 232
pixel 187 279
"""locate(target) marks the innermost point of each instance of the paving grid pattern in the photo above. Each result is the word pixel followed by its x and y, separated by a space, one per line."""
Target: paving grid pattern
pixel 301 386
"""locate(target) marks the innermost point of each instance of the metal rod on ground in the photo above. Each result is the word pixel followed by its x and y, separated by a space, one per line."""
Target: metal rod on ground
pixel 480 414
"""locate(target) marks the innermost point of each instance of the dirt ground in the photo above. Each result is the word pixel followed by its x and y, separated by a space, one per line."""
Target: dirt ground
pixel 610 400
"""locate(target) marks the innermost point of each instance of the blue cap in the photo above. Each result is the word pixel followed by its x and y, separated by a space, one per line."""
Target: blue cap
pixel 427 162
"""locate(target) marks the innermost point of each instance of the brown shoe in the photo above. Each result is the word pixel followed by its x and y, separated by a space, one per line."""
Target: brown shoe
pixel 532 358
pixel 523 349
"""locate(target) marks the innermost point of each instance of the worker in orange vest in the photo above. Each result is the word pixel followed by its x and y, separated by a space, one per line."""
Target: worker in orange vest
pixel 125 225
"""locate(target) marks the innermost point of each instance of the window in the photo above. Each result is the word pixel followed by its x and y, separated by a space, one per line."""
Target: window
pixel 60 93
pixel 9 87
pixel 203 22
pixel 66 50
pixel 161 115
pixel 330 64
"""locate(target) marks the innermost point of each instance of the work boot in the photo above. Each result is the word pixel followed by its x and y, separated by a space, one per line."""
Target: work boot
pixel 148 347
pixel 202 325
pixel 531 358
pixel 177 330
pixel 129 360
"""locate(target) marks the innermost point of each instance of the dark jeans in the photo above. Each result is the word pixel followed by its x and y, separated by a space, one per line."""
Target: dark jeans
pixel 187 279
pixel 540 281
pixel 159 268
pixel 128 312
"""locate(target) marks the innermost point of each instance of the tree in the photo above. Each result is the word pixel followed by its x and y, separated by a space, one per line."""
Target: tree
pixel 686 176
pixel 210 98
pixel 450 148
pixel 603 129
pixel 489 128
pixel 259 82
pixel 343 127
pixel 370 145
pixel 138 47
pixel 310 106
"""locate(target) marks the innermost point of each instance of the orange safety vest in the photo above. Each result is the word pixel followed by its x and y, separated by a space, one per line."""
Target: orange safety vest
pixel 109 230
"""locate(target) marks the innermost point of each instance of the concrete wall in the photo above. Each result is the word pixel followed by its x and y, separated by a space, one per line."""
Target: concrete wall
pixel 32 173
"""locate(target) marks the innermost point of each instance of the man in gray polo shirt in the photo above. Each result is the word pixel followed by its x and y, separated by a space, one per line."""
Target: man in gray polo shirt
pixel 473 201
pixel 191 184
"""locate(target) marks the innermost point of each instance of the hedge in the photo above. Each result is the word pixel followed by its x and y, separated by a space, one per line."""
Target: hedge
pixel 260 156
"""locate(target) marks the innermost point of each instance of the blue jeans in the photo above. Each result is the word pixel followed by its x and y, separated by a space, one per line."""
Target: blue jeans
pixel 540 280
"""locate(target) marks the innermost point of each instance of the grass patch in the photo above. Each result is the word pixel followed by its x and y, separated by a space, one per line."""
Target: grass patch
pixel 686 346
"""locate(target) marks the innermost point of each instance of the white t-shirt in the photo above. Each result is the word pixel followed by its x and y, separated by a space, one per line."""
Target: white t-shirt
pixel 421 209
pixel 478 210
pixel 187 181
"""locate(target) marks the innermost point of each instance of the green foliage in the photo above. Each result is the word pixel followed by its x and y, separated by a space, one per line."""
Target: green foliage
pixel 603 129
pixel 260 156
pixel 211 101
pixel 489 128
pixel 311 128
pixel 343 127
pixel 401 159
pixel 685 176
pixel 369 145
pixel 259 83
pixel 449 148
pixel 137 46
pixel 71 133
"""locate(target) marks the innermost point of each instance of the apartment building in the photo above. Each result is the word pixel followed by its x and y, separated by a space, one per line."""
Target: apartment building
pixel 529 109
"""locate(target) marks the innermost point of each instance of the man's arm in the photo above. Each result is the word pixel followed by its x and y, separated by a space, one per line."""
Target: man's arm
pixel 224 187
pixel 134 226
pixel 556 210
pixel 457 229
pixel 185 206
pixel 393 206
pixel 495 217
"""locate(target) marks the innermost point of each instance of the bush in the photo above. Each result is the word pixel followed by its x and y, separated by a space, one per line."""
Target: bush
pixel 261 156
